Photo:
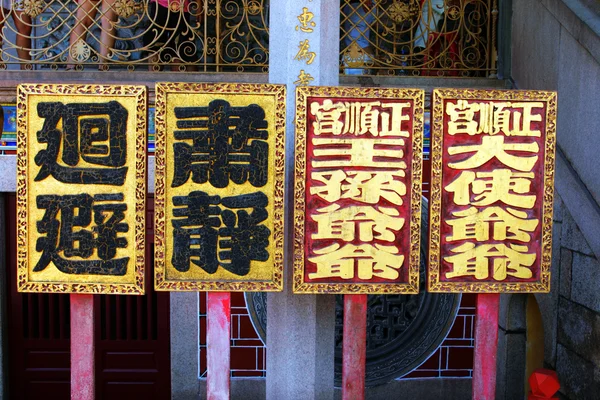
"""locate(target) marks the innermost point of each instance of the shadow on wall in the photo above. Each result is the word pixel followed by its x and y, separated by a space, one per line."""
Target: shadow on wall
pixel 520 347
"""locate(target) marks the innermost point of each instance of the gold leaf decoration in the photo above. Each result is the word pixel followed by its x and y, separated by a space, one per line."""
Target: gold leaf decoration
pixel 124 8
pixel 80 51
pixel 33 8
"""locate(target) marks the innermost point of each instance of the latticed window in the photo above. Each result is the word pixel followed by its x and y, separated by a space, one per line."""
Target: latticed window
pixel 377 37
pixel 185 35
pixel 418 37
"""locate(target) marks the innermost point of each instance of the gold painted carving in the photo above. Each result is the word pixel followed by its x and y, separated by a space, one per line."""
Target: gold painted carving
pixel 306 21
pixel 304 52
pixel 304 79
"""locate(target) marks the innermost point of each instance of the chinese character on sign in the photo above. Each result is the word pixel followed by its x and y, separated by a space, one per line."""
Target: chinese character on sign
pixel 69 245
pixel 357 118
pixel 92 133
pixel 359 219
pixel 495 199
pixel 219 193
pixel 82 188
pixel 227 143
pixel 211 236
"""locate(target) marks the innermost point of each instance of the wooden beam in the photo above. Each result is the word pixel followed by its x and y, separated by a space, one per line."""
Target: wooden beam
pixel 486 346
pixel 218 337
pixel 83 376
pixel 354 350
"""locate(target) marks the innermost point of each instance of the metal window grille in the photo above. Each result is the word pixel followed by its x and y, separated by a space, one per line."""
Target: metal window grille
pixel 180 35
pixel 419 37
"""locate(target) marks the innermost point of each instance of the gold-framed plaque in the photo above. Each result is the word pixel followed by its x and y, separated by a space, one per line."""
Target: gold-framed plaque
pixel 220 158
pixel 492 190
pixel 357 215
pixel 81 188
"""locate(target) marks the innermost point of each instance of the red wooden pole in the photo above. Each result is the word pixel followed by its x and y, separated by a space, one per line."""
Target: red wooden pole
pixel 218 336
pixel 486 347
pixel 354 350
pixel 82 347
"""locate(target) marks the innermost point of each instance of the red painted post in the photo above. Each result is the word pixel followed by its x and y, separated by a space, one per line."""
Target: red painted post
pixel 218 336
pixel 486 346
pixel 354 347
pixel 82 347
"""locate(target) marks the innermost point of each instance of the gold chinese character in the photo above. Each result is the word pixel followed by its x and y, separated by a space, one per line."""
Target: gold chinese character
pixel 366 187
pixel 507 224
pixel 461 117
pixel 306 22
pixel 335 222
pixel 359 152
pixel 499 185
pixel 327 117
pixel 304 78
pixel 304 53
pixel 474 260
pixel 359 118
pixel 523 128
pixel 494 146
pixel 493 118
pixel 372 261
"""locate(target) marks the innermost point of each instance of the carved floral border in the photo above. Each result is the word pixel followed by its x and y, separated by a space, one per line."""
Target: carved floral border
pixel 302 95
pixel 161 282
pixel 33 89
pixel 435 211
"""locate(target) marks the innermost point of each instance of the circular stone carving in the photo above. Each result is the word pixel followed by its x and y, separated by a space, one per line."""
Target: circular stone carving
pixel 403 331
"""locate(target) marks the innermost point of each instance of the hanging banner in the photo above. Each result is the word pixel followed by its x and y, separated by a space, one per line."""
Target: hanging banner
pixel 492 190
pixel 220 155
pixel 81 188
pixel 358 190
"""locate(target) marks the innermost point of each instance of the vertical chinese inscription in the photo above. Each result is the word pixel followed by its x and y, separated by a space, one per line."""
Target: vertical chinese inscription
pixel 358 184
pixel 304 54
pixel 82 188
pixel 492 191
pixel 219 180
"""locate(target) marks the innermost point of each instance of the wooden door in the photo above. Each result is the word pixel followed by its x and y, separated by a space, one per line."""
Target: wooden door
pixel 132 337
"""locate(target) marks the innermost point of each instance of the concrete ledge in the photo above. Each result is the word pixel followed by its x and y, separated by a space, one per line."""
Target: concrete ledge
pixel 451 388
pixel 8 174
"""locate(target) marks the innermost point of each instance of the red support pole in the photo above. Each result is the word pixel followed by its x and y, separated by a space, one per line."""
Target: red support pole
pixel 82 347
pixel 486 346
pixel 218 336
pixel 354 350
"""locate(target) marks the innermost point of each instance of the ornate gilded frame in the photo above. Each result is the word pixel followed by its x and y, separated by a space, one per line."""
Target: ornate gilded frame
pixel 302 95
pixel 139 96
pixel 435 210
pixel 278 93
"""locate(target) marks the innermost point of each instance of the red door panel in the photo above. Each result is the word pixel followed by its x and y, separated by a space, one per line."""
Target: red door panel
pixel 132 337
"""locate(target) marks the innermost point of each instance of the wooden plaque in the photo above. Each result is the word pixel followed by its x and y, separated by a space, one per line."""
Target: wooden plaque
pixel 492 191
pixel 220 158
pixel 81 188
pixel 357 190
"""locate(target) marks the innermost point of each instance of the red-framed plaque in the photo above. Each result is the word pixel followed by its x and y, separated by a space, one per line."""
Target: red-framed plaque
pixel 492 190
pixel 357 190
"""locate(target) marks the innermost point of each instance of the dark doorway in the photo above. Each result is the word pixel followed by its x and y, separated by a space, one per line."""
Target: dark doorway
pixel 132 336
